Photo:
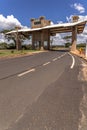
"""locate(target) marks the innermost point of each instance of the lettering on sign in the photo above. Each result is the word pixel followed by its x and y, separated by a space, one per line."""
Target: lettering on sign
pixel 37 22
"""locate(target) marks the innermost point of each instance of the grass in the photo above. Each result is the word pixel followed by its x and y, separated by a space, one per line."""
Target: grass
pixel 7 53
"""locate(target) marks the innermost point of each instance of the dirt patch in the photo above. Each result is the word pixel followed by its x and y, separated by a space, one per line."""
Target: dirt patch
pixel 80 55
pixel 83 73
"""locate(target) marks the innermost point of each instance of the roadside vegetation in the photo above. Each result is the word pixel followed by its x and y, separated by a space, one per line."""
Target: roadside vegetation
pixel 4 53
pixel 9 50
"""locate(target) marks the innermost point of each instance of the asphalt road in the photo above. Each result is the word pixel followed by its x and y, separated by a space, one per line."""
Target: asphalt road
pixel 46 91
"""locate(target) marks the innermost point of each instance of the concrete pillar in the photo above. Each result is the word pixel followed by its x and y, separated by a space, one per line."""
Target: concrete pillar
pixel 74 38
pixel 48 40
pixel 42 40
pixel 33 41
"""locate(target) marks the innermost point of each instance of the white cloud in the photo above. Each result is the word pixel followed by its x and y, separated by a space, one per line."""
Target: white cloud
pixel 52 23
pixel 27 41
pixel 69 19
pixel 79 7
pixel 58 39
pixel 8 22
pixel 59 22
pixel 81 17
pixel 3 39
pixel 81 38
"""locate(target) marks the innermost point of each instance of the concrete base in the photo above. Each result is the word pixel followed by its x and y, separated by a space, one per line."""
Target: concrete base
pixel 42 48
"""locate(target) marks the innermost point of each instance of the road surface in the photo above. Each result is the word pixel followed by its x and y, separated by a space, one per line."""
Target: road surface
pixel 46 91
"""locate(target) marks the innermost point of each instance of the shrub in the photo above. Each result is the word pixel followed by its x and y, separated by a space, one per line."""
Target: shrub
pixel 3 45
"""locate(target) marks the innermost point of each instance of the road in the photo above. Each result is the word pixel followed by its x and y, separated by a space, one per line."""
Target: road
pixel 46 91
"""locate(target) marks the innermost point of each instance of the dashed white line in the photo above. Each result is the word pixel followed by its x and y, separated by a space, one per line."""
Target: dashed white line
pixel 62 55
pixel 59 57
pixel 26 72
pixel 32 70
pixel 19 118
pixel 54 59
pixel 46 63
pixel 73 61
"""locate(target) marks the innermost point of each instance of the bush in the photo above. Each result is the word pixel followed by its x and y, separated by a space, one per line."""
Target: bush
pixel 67 45
pixel 3 45
pixel 81 45
pixel 27 47
pixel 12 51
pixel 11 46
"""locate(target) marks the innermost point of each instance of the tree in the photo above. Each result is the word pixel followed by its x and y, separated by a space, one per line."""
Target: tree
pixel 3 45
pixel 68 43
pixel 17 37
pixel 5 31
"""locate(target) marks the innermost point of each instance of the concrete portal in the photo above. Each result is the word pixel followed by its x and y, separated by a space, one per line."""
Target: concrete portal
pixel 41 39
pixel 41 30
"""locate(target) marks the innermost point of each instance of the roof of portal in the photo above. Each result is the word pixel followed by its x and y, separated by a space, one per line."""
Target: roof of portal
pixel 55 28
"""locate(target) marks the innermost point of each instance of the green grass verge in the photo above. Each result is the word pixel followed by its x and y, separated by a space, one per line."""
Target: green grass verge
pixel 4 53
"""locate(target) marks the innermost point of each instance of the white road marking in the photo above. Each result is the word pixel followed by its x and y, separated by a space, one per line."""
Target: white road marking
pixel 59 57
pixel 54 59
pixel 32 70
pixel 46 63
pixel 73 61
pixel 26 72
pixel 19 118
pixel 62 55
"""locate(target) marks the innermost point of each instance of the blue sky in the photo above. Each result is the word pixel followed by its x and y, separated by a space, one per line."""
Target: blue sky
pixel 55 10
pixel 19 12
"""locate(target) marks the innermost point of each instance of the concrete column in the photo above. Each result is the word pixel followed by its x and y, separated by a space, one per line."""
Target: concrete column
pixel 33 47
pixel 74 38
pixel 48 40
pixel 42 40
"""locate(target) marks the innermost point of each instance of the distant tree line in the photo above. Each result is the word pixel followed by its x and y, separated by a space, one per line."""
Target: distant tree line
pixel 29 46
pixel 13 46
pixel 83 45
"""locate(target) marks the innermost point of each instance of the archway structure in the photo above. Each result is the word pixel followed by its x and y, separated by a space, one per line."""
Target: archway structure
pixel 41 30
